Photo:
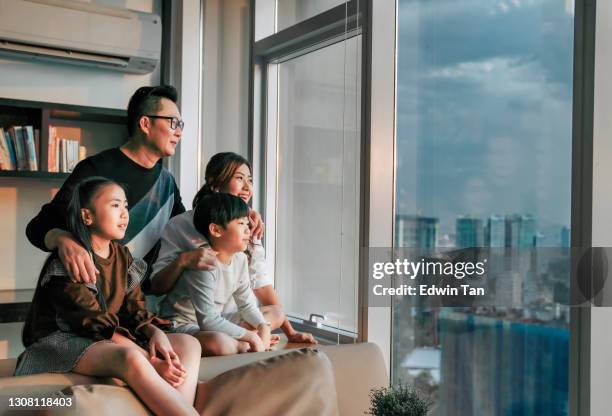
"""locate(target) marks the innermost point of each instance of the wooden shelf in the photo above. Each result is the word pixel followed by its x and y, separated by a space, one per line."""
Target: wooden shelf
pixel 29 174
pixel 70 112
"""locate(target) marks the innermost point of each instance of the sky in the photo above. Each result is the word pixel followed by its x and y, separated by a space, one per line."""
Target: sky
pixel 484 110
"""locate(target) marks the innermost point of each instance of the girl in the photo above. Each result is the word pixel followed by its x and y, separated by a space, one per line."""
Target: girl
pixel 99 329
pixel 228 173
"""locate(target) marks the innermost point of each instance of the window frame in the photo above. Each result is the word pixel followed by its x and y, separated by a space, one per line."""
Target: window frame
pixel 334 25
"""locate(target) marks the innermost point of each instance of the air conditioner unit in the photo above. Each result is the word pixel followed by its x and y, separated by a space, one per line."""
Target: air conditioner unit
pixel 81 33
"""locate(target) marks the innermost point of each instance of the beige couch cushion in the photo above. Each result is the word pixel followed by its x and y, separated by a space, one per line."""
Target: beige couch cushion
pixel 357 369
pixel 300 382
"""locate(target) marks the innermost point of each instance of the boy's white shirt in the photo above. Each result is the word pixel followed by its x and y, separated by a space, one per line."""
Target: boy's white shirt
pixel 180 235
pixel 204 297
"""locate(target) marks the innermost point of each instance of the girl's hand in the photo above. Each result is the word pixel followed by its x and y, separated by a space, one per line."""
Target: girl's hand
pixel 256 224
pixel 175 376
pixel 159 344
pixel 302 338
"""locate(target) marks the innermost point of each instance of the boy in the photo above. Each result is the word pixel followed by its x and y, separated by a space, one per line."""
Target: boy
pixel 197 303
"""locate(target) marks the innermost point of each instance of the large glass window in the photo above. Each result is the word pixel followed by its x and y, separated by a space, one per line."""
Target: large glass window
pixel 484 113
pixel 317 227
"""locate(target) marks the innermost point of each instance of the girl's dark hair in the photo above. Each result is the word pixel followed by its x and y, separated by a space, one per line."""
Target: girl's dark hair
pixel 219 171
pixel 82 196
pixel 220 209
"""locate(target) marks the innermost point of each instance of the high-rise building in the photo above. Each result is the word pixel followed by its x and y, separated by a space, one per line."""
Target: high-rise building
pixel 468 232
pixel 494 367
pixel 520 231
pixel 495 235
pixel 416 231
pixel 565 237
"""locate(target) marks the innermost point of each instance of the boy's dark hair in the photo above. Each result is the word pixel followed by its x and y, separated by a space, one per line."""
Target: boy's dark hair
pixel 219 171
pixel 220 209
pixel 82 195
pixel 146 101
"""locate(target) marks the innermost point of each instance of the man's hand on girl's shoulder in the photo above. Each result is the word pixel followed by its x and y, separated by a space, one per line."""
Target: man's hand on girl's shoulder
pixel 76 259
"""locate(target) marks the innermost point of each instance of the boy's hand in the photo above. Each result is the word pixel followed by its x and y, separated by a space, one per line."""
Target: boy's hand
pixel 256 224
pixel 254 341
pixel 302 338
pixel 263 330
pixel 199 259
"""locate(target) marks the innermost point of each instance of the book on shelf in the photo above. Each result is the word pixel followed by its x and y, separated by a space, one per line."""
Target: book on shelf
pixel 18 148
pixel 52 165
pixel 5 157
pixel 30 145
pixel 16 136
pixel 6 138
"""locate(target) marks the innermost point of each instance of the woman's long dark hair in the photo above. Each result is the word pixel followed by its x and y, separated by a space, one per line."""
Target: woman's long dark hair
pixel 82 197
pixel 219 171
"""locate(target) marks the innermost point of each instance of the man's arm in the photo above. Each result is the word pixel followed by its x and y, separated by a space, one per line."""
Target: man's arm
pixel 53 214
pixel 47 230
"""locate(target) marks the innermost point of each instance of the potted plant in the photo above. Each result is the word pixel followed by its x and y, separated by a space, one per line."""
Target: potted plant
pixel 398 400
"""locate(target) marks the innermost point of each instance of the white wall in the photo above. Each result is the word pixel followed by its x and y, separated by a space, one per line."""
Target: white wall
pixel 225 78
pixel 601 318
pixel 21 199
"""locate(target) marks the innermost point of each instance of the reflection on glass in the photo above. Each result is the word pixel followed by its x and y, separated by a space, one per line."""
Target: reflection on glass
pixel 317 239
pixel 484 160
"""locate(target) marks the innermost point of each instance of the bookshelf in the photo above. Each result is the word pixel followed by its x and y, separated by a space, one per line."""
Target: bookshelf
pixel 93 127
pixel 23 192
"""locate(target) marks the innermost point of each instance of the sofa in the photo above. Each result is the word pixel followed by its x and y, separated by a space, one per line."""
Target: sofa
pixel 353 369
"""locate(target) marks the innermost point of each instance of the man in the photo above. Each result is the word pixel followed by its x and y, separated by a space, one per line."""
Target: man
pixel 155 128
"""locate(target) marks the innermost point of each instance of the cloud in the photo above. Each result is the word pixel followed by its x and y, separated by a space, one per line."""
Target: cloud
pixel 484 108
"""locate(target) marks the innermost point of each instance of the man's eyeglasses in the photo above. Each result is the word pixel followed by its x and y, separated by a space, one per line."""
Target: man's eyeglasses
pixel 175 123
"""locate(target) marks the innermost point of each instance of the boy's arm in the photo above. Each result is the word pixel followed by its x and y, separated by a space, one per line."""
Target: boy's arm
pixel 201 286
pixel 246 301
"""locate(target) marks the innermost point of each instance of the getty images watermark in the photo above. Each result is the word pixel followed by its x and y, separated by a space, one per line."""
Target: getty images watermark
pixel 491 277
pixel 428 270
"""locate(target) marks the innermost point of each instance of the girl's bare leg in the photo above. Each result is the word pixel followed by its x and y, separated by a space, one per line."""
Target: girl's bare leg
pixel 129 364
pixel 189 351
